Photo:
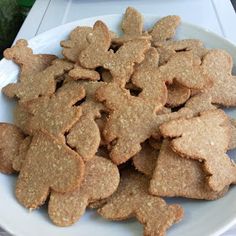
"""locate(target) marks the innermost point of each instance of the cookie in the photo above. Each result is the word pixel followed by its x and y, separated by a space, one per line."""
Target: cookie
pixel 103 151
pixel 164 110
pixel 132 27
pixel 164 29
pixel 106 76
pixel 120 63
pixel 147 77
pixel 200 103
pixel 22 152
pixel 100 181
pixel 182 67
pixel 10 140
pixel 49 166
pixel 133 200
pixel 206 139
pixel 56 114
pixel 155 143
pixel 131 121
pixel 97 204
pixel 164 115
pixel 77 42
pixel 219 65
pixel 152 79
pixel 232 142
pixel 167 49
pixel 177 94
pixel 30 64
pixel 84 136
pixel 36 85
pixel 145 160
pixel 79 73
pixel 223 91
pixel 175 176
pixel 101 122
pixel 142 105
pixel 22 118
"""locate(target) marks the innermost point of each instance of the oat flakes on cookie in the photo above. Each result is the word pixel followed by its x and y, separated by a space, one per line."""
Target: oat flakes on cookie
pixel 11 138
pixel 131 121
pixel 177 94
pixel 200 103
pixel 29 63
pixel 56 114
pixel 100 181
pixel 175 176
pixel 40 84
pixel 80 73
pixel 119 63
pixel 145 160
pixel 85 135
pixel 165 28
pixel 218 64
pixel 232 142
pixel 20 158
pixel 167 49
pixel 206 139
pixel 22 118
pixel 49 166
pixel 77 42
pixel 132 27
pixel 133 200
pixel 180 69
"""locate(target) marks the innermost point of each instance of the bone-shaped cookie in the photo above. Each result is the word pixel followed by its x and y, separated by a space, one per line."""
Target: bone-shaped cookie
pixel 49 166
pixel 100 181
pixel 133 200
pixel 84 136
pixel 56 114
pixel 121 62
pixel 11 138
pixel 39 84
pixel 175 176
pixel 152 79
pixel 132 120
pixel 206 139
pixel 29 63
pixel 132 27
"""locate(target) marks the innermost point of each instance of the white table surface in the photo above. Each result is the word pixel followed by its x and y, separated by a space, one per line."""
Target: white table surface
pixel 215 15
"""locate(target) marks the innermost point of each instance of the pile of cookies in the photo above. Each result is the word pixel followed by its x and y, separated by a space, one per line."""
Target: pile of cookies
pixel 119 123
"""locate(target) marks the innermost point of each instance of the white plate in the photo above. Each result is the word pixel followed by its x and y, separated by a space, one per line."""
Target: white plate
pixel 201 217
